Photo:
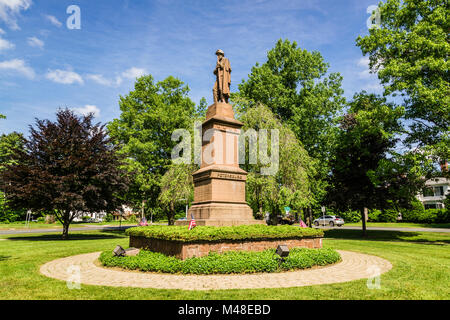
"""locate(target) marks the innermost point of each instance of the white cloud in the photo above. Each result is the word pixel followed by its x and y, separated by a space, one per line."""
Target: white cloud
pixel 364 62
pixel 53 20
pixel 133 73
pixel 2 31
pixel 17 65
pixel 10 9
pixel 100 79
pixel 364 74
pixel 64 76
pixel 88 109
pixel 5 45
pixel 35 42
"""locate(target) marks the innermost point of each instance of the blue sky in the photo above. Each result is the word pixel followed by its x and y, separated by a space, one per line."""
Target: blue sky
pixel 45 65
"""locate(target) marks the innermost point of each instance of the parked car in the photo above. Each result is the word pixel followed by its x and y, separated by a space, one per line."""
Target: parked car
pixel 329 221
pixel 287 219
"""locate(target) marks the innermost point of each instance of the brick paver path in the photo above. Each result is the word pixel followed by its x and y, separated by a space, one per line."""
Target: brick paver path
pixel 352 267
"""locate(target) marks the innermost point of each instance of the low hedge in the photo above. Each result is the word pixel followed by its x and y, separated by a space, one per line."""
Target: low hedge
pixel 226 263
pixel 244 232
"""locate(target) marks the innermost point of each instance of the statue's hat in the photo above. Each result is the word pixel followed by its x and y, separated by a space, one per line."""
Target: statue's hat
pixel 220 52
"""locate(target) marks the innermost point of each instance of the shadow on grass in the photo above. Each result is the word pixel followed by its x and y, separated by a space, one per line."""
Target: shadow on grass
pixel 4 258
pixel 388 235
pixel 99 235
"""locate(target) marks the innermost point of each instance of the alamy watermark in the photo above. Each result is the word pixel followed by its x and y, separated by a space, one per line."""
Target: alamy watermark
pixel 374 280
pixel 74 20
pixel 227 146
pixel 374 21
pixel 74 277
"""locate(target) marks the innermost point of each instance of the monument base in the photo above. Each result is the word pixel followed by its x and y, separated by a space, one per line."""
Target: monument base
pixel 221 214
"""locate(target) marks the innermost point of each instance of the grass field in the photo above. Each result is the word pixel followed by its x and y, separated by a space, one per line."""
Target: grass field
pixel 41 225
pixel 399 225
pixel 421 269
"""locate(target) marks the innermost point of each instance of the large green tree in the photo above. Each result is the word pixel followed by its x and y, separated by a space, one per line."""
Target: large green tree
pixel 294 83
pixel 367 134
pixel 149 115
pixel 68 167
pixel 409 51
pixel 9 145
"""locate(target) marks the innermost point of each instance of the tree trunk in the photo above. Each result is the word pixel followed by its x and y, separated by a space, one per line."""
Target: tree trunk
pixel 65 234
pixel 310 217
pixel 363 215
pixel 171 214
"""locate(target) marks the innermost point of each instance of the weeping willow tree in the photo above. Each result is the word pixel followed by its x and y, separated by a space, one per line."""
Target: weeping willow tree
pixel 176 184
pixel 289 181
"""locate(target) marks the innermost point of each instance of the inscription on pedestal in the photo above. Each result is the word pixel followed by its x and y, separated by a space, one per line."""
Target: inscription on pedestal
pixel 229 176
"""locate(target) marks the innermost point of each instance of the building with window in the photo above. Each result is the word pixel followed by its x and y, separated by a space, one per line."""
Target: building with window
pixel 434 193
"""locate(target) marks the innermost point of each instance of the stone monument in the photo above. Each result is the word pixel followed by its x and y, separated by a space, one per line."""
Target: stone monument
pixel 219 184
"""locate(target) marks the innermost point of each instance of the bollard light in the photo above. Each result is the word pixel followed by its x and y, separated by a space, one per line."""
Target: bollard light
pixel 282 250
pixel 119 251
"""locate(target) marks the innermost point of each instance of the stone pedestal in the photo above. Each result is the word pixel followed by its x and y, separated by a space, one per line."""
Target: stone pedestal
pixel 219 185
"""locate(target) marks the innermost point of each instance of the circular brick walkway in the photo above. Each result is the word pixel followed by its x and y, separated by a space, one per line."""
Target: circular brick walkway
pixel 353 266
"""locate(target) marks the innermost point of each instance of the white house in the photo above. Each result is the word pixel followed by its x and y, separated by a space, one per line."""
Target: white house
pixel 434 193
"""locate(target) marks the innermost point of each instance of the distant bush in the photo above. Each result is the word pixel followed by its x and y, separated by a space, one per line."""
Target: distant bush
pixel 388 215
pixel 85 218
pixel 132 219
pixel 109 217
pixel 226 263
pixel 350 216
pixel 426 216
pixel 374 215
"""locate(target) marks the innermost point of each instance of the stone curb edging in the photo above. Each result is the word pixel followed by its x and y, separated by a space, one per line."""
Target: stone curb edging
pixel 354 266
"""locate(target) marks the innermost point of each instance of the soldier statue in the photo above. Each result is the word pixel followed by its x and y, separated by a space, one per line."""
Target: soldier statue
pixel 222 71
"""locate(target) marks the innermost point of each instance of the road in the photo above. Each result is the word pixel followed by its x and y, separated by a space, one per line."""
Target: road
pixel 106 228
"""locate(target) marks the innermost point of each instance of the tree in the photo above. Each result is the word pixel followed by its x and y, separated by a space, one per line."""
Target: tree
pixel 176 184
pixel 294 85
pixel 409 52
pixel 68 167
pixel 291 183
pixel 9 143
pixel 149 115
pixel 367 135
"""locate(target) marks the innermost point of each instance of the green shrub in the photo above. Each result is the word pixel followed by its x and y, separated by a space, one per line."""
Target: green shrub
pixel 374 215
pixel 132 219
pixel 388 215
pixel 85 218
pixel 350 216
pixel 109 217
pixel 243 232
pixel 426 216
pixel 443 216
pixel 226 263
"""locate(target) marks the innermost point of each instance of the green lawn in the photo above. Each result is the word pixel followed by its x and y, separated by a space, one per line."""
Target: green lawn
pixel 399 225
pixel 421 269
pixel 41 225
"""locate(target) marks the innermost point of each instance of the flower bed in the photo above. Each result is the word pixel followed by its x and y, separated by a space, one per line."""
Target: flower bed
pixel 244 232
pixel 183 243
pixel 226 263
